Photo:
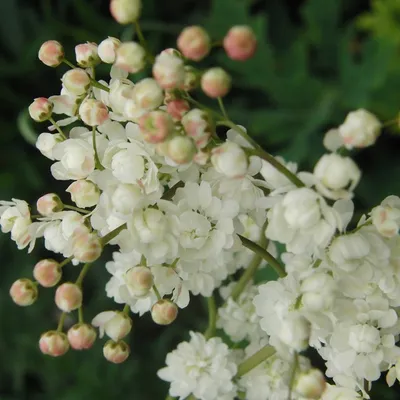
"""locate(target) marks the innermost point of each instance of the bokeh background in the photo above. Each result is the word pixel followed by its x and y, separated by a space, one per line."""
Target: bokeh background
pixel 316 61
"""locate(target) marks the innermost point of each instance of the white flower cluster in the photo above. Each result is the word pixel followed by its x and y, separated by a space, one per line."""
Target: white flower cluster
pixel 187 211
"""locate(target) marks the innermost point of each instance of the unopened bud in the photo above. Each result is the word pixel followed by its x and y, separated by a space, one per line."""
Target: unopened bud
pixel 181 149
pixel 47 272
pixel 240 43
pixel 116 352
pixel 41 109
pixel 76 81
pixel 215 82
pixel 68 297
pixel 156 126
pixel 93 112
pixel 107 49
pixel 45 143
pixel 131 57
pixel 86 55
pixel 177 108
pixel 148 94
pixel 125 11
pixel 114 324
pixel 86 246
pixel 169 70
pixel 49 204
pixel 295 332
pixel 230 160
pixel 191 79
pixel 54 343
pixel 194 43
pixel 51 53
pixel 81 336
pixel 197 125
pixel 139 281
pixel 84 193
pixel 24 292
pixel 201 157
pixel 310 384
pixel 164 312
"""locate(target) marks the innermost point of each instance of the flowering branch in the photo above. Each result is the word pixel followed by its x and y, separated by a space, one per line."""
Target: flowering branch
pixel 255 360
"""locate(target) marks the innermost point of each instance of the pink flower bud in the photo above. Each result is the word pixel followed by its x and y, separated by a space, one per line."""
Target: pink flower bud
pixel 181 149
pixel 47 272
pixel 86 246
pixel 114 324
pixel 51 53
pixel 93 112
pixel 215 82
pixel 169 70
pixel 177 108
pixel 310 384
pixel 197 125
pixel 125 11
pixel 139 281
pixel 156 126
pixel 148 94
pixel 86 54
pixel 194 43
pixel 131 57
pixel 81 336
pixel 191 79
pixel 76 81
pixel 54 343
pixel 116 352
pixel 68 297
pixel 84 193
pixel 41 109
pixel 164 312
pixel 240 43
pixel 107 49
pixel 49 204
pixel 24 292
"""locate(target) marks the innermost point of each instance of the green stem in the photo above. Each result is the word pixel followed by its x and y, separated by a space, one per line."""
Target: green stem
pixel 65 262
pixel 80 315
pixel 111 235
pixel 212 318
pixel 157 293
pixel 222 107
pixel 293 375
pixel 59 130
pixel 65 61
pixel 126 309
pixel 61 322
pixel 143 42
pixel 169 194
pixel 81 210
pixel 82 274
pixel 174 264
pixel 143 261
pixel 96 155
pixel 99 85
pixel 269 258
pixel 255 360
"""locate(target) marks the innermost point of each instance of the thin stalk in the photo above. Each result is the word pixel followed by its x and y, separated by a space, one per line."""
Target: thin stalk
pixel 126 309
pixel 111 235
pixel 80 315
pixel 222 107
pixel 157 293
pixel 212 318
pixel 83 273
pixel 255 360
pixel 169 194
pixel 99 85
pixel 293 375
pixel 61 322
pixel 143 42
pixel 65 262
pixel 59 130
pixel 81 210
pixel 96 155
pixel 65 61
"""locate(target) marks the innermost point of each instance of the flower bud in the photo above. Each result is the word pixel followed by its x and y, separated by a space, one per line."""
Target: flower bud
pixel 131 57
pixel 107 49
pixel 177 108
pixel 194 43
pixel 240 43
pixel 139 281
pixel 156 126
pixel 41 109
pixel 116 352
pixel 68 297
pixel 215 82
pixel 201 157
pixel 230 159
pixel 164 312
pixel 386 216
pixel 310 384
pixel 116 325
pixel 87 55
pixel 54 343
pixel 45 143
pixel 295 332
pixel 76 81
pixel 125 11
pixel 49 204
pixel 47 272
pixel 84 193
pixel 181 149
pixel 24 292
pixel 51 53
pixel 191 79
pixel 81 336
pixel 169 70
pixel 93 112
pixel 197 125
pixel 86 246
pixel 126 198
pixel 147 94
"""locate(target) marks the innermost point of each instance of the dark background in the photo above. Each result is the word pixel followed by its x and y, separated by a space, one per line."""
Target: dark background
pixel 317 60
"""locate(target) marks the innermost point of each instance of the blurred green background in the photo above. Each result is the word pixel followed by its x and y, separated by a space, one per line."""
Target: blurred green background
pixel 316 61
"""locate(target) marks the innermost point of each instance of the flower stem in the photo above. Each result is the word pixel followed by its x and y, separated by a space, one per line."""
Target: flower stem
pixel 80 315
pixel 81 210
pixel 222 107
pixel 143 42
pixel 293 374
pixel 126 309
pixel 169 194
pixel 157 293
pixel 99 85
pixel 59 130
pixel 212 318
pixel 82 274
pixel 65 61
pixel 66 261
pixel 61 322
pixel 255 360
pixel 269 258
pixel 111 235
pixel 96 155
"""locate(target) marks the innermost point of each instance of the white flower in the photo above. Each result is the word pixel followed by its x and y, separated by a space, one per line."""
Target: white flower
pixel 275 180
pixel 333 392
pixel 200 367
pixel 84 193
pixel 169 70
pixel 386 216
pixel 115 325
pixel 45 143
pixel 295 332
pixel 230 160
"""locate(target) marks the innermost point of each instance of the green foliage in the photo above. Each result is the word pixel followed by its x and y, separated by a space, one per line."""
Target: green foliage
pixel 312 67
